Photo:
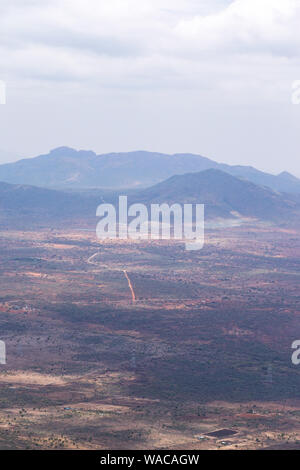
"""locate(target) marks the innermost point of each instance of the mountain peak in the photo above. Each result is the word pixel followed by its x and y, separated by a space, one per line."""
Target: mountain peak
pixel 70 152
pixel 62 151
pixel 288 176
pixel 223 195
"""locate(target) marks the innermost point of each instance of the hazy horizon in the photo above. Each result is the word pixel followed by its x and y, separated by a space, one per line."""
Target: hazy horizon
pixel 210 78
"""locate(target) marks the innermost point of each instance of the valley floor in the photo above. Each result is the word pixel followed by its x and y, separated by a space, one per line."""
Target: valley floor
pixel 136 345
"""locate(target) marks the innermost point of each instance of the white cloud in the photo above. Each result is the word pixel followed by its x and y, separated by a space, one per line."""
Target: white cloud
pixel 260 26
pixel 240 46
pixel 74 38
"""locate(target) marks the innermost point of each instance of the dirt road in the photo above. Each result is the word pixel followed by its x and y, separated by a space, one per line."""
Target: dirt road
pixel 130 286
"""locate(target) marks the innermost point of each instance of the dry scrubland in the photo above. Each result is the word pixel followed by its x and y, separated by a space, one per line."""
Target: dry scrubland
pixel 118 345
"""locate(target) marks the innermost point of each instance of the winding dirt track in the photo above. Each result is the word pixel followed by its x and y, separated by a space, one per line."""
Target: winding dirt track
pixel 91 261
pixel 130 286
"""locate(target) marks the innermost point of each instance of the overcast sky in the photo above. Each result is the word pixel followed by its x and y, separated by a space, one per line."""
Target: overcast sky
pixel 212 77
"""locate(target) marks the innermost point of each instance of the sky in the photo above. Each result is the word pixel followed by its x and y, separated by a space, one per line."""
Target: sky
pixel 211 77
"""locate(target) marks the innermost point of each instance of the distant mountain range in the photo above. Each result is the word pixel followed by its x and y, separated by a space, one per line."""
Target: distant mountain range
pixel 67 168
pixel 225 197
